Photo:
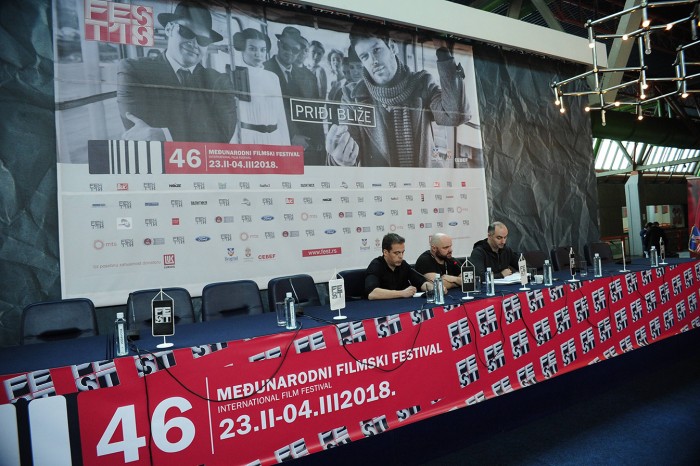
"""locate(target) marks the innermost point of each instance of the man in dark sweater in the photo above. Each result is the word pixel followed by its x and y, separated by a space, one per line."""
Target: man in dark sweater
pixel 389 276
pixel 493 252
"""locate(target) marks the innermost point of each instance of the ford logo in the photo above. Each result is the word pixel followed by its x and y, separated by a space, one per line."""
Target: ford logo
pixel 454 224
pixel 330 231
pixel 202 239
pixel 267 218
pixel 379 213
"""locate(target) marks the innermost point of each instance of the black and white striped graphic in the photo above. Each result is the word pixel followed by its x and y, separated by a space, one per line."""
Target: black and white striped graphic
pixel 44 431
pixel 117 157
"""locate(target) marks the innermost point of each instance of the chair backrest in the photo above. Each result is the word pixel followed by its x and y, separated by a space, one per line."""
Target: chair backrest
pixel 354 283
pixel 535 258
pixel 58 320
pixel 302 287
pixel 138 306
pixel 227 299
pixel 602 248
pixel 560 257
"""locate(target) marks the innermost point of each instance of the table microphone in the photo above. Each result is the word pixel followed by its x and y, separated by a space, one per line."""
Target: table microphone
pixel 299 311
pixel 132 330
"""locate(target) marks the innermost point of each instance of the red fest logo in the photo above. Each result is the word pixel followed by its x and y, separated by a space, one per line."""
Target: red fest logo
pixel 122 23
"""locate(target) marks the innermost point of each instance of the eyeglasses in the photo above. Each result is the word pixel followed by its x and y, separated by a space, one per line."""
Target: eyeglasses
pixel 188 34
pixel 289 48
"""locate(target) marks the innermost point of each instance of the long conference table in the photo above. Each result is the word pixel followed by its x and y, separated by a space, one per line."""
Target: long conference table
pixel 245 391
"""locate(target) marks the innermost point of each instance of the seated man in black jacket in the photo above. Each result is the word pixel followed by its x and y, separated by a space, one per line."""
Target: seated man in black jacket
pixel 654 237
pixel 493 252
pixel 438 260
pixel 389 276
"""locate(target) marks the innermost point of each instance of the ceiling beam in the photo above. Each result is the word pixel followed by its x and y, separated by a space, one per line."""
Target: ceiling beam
pixel 462 21
pixel 514 8
pixel 547 15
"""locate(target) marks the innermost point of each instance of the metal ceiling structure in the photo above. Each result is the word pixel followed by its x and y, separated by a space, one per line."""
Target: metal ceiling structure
pixel 658 53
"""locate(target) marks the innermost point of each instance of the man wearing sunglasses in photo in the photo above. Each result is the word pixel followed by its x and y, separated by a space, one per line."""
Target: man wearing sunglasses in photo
pixel 298 82
pixel 172 97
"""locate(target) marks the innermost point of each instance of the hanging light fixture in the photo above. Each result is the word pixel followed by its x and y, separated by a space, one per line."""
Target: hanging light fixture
pixel 643 36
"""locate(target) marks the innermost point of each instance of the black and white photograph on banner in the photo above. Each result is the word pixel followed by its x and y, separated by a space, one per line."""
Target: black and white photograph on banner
pixel 263 136
pixel 412 105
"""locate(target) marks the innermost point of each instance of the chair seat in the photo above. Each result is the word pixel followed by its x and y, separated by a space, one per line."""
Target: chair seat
pixel 301 286
pixel 560 257
pixel 227 299
pixel 138 306
pixel 58 320
pixel 535 258
pixel 602 248
pixel 354 283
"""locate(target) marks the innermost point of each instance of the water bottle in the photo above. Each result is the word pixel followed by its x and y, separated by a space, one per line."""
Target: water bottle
pixel 290 317
pixel 120 335
pixel 439 290
pixel 490 284
pixel 597 266
pixel 547 273
pixel 662 250
pixel 654 257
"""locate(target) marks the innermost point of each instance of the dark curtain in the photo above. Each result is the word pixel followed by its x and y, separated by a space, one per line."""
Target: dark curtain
pixel 539 163
pixel 29 266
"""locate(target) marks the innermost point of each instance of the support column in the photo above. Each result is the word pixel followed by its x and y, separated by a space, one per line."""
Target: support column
pixel 636 215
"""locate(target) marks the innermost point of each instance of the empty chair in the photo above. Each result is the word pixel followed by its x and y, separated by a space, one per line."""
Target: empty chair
pixel 138 306
pixel 302 287
pixel 227 299
pixel 535 258
pixel 58 320
pixel 602 248
pixel 354 283
pixel 560 257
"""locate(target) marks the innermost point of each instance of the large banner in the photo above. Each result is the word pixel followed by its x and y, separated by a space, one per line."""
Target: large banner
pixel 275 398
pixel 201 143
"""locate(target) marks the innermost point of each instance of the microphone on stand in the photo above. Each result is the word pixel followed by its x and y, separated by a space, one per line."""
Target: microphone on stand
pixel 419 274
pixel 299 309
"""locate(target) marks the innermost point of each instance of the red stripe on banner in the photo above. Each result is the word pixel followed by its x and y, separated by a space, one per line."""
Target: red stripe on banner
pixel 282 396
pixel 213 158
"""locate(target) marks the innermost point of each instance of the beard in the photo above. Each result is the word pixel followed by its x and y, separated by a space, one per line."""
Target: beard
pixel 442 257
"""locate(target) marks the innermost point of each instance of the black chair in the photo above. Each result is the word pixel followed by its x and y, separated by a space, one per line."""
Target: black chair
pixel 227 299
pixel 138 307
pixel 602 248
pixel 58 320
pixel 560 257
pixel 301 286
pixel 354 283
pixel 535 258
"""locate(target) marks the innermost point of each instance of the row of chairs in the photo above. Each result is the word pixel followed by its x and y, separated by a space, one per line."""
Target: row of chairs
pixel 76 318
pixel 559 256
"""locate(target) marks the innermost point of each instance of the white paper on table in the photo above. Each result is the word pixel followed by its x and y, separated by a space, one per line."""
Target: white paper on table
pixel 509 280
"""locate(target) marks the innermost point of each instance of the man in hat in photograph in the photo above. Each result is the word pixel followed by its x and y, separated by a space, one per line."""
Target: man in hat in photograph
pixel 172 97
pixel 297 82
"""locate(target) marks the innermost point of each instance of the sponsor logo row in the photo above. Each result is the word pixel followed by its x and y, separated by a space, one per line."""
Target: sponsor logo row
pixel 246 185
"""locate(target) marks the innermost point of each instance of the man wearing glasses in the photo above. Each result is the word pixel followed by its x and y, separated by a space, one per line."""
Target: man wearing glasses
pixel 297 82
pixel 169 97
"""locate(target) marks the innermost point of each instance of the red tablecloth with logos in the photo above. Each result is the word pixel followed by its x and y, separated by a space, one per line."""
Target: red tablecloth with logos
pixel 271 398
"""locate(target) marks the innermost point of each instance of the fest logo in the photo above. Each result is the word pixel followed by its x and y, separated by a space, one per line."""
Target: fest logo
pixel 121 23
